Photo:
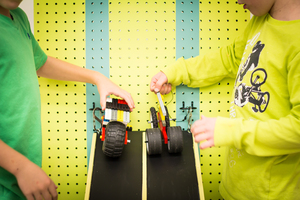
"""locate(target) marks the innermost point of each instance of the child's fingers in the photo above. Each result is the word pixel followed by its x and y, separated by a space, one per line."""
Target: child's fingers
pixel 46 195
pixel 197 128
pixel 206 144
pixel 166 88
pixel 152 84
pixel 129 101
pixel 201 137
pixel 53 191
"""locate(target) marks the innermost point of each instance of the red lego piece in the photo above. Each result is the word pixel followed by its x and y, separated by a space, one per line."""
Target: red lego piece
pixel 121 101
pixel 164 132
pixel 103 134
pixel 126 137
pixel 162 128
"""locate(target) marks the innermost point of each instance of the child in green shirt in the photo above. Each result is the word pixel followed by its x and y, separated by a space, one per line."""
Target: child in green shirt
pixel 21 61
pixel 263 131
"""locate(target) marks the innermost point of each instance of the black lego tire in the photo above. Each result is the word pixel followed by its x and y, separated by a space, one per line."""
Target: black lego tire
pixel 167 118
pixel 114 139
pixel 153 117
pixel 154 141
pixel 175 139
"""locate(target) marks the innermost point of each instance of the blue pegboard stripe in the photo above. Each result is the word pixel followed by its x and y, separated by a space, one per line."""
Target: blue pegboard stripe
pixel 97 55
pixel 187 45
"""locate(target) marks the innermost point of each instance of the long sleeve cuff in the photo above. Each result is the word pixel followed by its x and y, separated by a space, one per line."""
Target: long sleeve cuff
pixel 224 129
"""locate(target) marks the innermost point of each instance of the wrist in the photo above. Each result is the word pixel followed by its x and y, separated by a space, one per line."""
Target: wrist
pixel 224 130
pixel 97 78
pixel 10 159
pixel 19 165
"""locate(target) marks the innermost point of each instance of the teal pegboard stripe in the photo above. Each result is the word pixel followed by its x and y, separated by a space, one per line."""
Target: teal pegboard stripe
pixel 187 45
pixel 97 55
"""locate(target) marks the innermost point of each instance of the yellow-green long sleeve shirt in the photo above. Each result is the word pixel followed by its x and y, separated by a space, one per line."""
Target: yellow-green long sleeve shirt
pixel 263 130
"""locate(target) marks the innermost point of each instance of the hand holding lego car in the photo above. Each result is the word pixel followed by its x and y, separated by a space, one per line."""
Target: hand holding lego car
pixel 106 87
pixel 159 83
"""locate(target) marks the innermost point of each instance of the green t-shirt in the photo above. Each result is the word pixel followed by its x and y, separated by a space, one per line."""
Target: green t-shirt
pixel 20 107
pixel 263 134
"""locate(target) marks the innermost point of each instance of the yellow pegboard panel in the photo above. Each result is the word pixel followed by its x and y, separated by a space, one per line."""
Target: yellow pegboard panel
pixel 220 22
pixel 60 31
pixel 142 41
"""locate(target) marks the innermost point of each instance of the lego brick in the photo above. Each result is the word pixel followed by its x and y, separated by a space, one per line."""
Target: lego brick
pixel 120 116
pixel 109 100
pixel 126 118
pixel 114 115
pixel 108 113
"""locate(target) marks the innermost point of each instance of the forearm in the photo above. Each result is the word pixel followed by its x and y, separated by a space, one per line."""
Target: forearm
pixel 200 71
pixel 210 68
pixel 10 159
pixel 60 70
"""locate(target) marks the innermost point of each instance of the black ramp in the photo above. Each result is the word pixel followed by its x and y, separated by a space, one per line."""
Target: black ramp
pixel 118 178
pixel 173 176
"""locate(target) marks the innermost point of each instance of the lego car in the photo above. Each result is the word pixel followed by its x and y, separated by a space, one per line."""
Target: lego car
pixel 161 130
pixel 114 128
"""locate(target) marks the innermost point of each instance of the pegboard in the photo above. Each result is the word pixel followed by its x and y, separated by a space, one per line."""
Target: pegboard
pixel 128 41
pixel 141 41
pixel 187 45
pixel 97 55
pixel 60 31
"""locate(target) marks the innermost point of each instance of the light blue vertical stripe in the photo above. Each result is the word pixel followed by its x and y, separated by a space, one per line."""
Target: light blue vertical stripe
pixel 97 55
pixel 187 45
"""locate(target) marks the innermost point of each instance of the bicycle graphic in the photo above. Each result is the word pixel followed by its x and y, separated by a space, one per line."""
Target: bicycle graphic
pixel 253 94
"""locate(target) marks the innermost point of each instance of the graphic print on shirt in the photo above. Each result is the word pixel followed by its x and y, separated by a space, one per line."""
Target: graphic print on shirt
pixel 244 93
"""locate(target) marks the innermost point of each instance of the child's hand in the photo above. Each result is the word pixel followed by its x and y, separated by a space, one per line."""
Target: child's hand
pixel 159 83
pixel 34 183
pixel 106 87
pixel 203 129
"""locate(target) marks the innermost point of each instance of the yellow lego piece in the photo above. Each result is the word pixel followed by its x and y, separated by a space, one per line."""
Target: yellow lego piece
pixel 120 116
pixel 161 114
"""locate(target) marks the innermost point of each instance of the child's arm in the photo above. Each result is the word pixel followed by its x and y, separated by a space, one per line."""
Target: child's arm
pixel 203 70
pixel 199 71
pixel 32 180
pixel 60 70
